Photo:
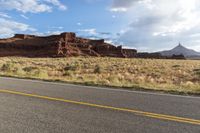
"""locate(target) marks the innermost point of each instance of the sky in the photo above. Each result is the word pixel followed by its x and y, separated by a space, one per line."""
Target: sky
pixel 147 25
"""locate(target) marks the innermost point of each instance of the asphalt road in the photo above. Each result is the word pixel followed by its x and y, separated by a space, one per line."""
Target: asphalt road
pixel 28 106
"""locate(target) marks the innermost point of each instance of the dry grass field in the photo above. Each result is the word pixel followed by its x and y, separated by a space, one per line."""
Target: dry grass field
pixel 180 76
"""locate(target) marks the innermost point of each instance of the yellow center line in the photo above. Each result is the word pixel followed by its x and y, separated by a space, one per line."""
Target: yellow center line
pixel 137 112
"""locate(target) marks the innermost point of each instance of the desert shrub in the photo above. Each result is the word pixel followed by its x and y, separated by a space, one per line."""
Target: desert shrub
pixel 68 73
pixel 29 69
pixel 8 67
pixel 39 73
pixel 97 69
pixel 176 66
pixel 197 72
pixel 43 74
pixel 113 79
pixel 20 71
pixel 36 72
pixel 12 68
pixel 71 67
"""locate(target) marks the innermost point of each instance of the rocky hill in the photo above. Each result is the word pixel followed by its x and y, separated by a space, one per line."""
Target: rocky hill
pixel 65 44
pixel 68 44
pixel 181 50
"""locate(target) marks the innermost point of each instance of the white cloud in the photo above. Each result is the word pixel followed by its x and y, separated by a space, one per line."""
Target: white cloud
pixel 24 6
pixel 79 24
pixel 160 24
pixel 23 16
pixel 56 27
pixel 33 6
pixel 92 1
pixel 4 15
pixel 122 5
pixel 113 16
pixel 54 32
pixel 57 3
pixel 119 9
pixel 95 34
pixel 10 27
pixel 89 31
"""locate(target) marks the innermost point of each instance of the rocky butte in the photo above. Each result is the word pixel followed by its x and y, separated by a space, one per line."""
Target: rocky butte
pixel 65 44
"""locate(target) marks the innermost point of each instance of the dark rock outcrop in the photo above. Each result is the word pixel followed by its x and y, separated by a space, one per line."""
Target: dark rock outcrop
pixel 65 44
pixel 181 56
pixel 159 56
pixel 150 55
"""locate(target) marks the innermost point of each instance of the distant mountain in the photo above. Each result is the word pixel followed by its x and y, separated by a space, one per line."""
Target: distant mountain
pixel 180 49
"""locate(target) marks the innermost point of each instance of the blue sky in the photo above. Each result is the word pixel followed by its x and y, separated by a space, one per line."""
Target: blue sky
pixel 148 25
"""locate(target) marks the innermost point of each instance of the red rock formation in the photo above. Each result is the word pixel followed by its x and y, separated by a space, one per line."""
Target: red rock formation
pixel 65 44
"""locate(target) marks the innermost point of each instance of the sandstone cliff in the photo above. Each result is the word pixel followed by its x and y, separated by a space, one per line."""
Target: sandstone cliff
pixel 65 44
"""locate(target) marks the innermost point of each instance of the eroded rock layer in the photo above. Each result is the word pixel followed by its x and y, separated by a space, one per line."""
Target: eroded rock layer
pixel 65 44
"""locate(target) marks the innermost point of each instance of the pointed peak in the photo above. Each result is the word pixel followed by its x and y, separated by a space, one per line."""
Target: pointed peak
pixel 180 45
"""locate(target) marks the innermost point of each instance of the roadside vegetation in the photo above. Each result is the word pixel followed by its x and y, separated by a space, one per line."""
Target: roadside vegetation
pixel 180 76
